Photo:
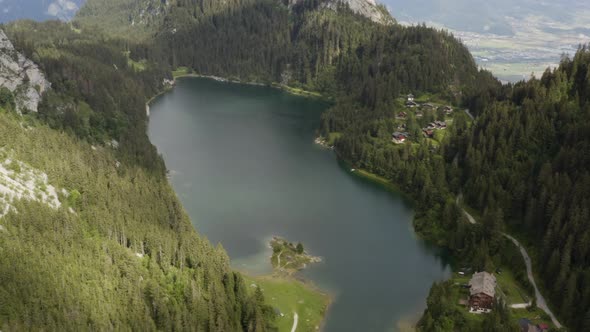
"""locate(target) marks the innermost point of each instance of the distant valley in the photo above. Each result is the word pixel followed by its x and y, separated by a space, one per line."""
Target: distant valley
pixel 510 38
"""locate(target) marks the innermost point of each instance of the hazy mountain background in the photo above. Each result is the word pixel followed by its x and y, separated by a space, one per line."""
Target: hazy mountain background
pixel 512 38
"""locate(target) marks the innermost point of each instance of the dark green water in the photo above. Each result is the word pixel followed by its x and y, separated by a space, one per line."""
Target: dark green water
pixel 243 162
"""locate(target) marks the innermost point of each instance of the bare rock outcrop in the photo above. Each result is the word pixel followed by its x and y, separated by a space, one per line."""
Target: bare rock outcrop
pixel 21 76
pixel 367 8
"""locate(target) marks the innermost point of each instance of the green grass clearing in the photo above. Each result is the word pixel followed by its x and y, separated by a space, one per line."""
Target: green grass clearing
pixel 180 71
pixel 509 288
pixel 536 315
pixel 388 185
pixel 298 91
pixel 290 296
pixel 138 66
pixel 332 137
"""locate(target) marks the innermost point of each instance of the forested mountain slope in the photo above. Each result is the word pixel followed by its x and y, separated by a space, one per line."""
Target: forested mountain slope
pixel 117 252
pixel 523 163
pixel 145 18
pixel 528 159
pixel 317 45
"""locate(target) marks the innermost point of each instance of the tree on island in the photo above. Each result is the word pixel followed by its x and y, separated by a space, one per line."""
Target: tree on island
pixel 299 248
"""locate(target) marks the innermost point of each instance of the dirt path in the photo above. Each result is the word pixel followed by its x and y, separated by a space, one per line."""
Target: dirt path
pixel 541 303
pixel 295 321
pixel 520 305
pixel 469 217
pixel 279 259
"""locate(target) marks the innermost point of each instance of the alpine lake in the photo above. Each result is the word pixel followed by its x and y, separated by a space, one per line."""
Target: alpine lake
pixel 242 159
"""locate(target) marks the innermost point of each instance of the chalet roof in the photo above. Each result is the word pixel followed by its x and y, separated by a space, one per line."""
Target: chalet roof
pixel 483 282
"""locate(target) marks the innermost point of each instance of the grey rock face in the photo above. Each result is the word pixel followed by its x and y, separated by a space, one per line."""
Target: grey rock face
pixel 367 8
pixel 21 76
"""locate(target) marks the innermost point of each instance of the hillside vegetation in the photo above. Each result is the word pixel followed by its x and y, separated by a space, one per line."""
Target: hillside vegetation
pixel 120 252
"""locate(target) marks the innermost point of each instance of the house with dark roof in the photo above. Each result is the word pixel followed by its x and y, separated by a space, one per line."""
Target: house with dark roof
pixel 399 137
pixel 440 124
pixel 428 106
pixel 447 109
pixel 482 291
pixel 428 133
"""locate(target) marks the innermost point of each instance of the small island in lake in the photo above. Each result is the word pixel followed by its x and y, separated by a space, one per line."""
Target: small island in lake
pixel 290 258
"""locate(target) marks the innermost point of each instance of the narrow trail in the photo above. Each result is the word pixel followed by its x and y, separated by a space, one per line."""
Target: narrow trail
pixel 541 303
pixel 279 259
pixel 520 305
pixel 295 321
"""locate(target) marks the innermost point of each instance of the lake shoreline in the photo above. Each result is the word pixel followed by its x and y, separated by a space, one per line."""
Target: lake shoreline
pixel 362 174
pixel 292 283
pixel 286 88
pixel 292 278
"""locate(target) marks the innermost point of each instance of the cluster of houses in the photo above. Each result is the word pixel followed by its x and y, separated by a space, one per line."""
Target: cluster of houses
pixel 411 103
pixel 436 125
pixel 401 135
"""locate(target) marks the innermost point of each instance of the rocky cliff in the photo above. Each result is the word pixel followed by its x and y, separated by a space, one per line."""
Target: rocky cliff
pixel 367 8
pixel 21 76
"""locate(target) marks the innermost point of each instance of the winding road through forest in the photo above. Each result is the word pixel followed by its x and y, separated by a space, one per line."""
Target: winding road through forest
pixel 541 303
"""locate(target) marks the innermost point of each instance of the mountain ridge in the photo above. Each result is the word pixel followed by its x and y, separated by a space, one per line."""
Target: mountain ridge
pixel 146 17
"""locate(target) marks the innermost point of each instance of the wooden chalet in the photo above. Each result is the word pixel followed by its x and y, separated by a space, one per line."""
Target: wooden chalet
pixel 482 291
